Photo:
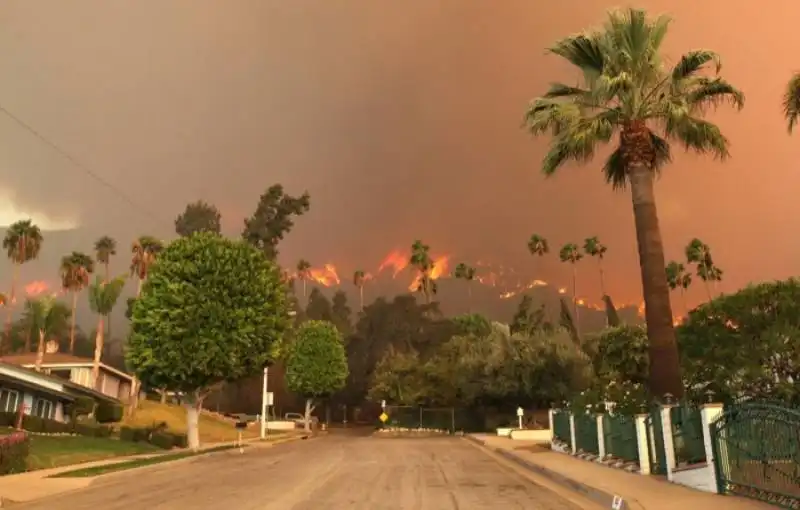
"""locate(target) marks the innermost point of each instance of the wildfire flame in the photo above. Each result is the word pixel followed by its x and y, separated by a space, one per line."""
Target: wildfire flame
pixel 326 275
pixel 395 260
pixel 36 288
pixel 438 269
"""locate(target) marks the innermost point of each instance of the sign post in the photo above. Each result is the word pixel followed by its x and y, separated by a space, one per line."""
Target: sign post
pixel 520 413
pixel 617 503
pixel 240 426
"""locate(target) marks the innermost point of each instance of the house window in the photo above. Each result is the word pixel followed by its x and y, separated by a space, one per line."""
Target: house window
pixel 44 409
pixel 9 401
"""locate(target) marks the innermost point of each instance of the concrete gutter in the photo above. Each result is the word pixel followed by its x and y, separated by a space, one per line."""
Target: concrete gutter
pixel 599 496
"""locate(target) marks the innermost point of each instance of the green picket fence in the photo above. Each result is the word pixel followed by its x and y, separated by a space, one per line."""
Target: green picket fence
pixel 620 437
pixel 586 433
pixel 687 434
pixel 561 428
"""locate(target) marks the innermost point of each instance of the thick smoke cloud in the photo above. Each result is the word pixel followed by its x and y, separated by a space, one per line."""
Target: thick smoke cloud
pixel 401 118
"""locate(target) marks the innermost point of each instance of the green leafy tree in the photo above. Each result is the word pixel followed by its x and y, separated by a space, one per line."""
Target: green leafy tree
pixel 303 273
pixel 341 313
pixel 571 254
pixel 316 363
pixel 48 316
pixel 612 317
pixel 198 216
pixel 103 296
pixel 626 90
pixel 528 320
pixel 422 262
pixel 744 345
pixel 359 280
pixel 22 242
pixel 273 219
pixel 75 270
pixel 697 252
pixel 319 308
pixel 468 274
pixel 680 279
pixel 567 321
pixel 595 249
pixel 213 310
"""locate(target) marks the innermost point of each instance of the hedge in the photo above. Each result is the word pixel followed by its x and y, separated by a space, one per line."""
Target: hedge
pixel 108 413
pixel 156 435
pixel 14 450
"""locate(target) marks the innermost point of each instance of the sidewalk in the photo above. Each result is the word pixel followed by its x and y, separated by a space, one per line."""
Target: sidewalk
pixel 601 483
pixel 34 485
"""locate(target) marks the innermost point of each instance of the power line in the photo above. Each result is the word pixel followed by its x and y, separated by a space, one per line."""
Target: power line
pixel 80 165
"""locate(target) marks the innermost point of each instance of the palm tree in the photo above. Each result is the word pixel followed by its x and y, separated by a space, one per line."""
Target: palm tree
pixel 103 296
pixel 75 270
pixel 791 101
pixel 303 273
pixel 359 279
pixel 466 273
pixel 538 245
pixel 22 242
pixel 104 249
pixel 421 260
pixel 626 90
pixel 47 315
pixel 570 253
pixel 594 248
pixel 144 251
pixel 698 252
pixel 679 278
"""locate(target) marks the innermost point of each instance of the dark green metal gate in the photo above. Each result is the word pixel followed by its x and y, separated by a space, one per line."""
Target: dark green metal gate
pixel 757 453
pixel 655 442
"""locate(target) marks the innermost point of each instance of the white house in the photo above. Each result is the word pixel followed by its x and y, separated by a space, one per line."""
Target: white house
pixel 40 394
pixel 112 383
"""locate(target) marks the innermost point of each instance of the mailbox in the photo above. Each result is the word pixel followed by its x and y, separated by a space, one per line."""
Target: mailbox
pixel 240 425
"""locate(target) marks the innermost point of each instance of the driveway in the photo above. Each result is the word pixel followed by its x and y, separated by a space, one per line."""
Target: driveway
pixel 336 472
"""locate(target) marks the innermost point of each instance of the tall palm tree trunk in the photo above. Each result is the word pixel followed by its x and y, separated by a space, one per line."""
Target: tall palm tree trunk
pixel 683 302
pixel 665 371
pixel 708 290
pixel 10 307
pixel 469 297
pixel 40 352
pixel 602 277
pixel 108 320
pixel 575 298
pixel 28 338
pixel 98 352
pixel 361 296
pixel 72 322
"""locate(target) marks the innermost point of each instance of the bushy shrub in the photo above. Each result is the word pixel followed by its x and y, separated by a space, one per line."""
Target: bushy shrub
pixel 8 419
pixel 163 440
pixel 14 450
pixel 82 406
pixel 33 423
pixel 93 430
pixel 134 434
pixel 55 427
pixel 180 440
pixel 108 413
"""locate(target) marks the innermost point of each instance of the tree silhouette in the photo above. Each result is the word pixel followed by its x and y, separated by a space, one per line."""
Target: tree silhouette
pixel 698 252
pixel 421 260
pixel 303 273
pixel 468 274
pixel 679 279
pixel 571 254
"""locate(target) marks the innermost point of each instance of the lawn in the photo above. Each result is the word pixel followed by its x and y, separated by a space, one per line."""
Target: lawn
pixel 56 451
pixel 212 429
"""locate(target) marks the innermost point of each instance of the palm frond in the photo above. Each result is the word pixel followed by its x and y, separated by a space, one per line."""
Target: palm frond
pixel 697 135
pixel 791 102
pixel 558 90
pixel 692 62
pixel 578 139
pixel 614 168
pixel 583 51
pixel 546 114
pixel 712 92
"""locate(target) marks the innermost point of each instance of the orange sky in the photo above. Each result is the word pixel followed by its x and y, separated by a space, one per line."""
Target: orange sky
pixel 402 119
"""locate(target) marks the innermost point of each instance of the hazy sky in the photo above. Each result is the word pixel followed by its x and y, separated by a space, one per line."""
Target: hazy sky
pixel 402 119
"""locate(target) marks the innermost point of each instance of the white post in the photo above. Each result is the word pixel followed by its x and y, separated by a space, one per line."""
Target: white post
pixel 641 444
pixel 709 413
pixel 669 445
pixel 601 438
pixel 264 404
pixel 520 412
pixel 550 416
pixel 573 446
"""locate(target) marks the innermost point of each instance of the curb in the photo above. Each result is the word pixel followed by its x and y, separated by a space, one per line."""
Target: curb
pixel 599 496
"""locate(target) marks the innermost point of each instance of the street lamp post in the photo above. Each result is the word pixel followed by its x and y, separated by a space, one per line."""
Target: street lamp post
pixel 265 403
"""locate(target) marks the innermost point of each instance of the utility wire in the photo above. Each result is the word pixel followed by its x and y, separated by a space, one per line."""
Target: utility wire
pixel 124 196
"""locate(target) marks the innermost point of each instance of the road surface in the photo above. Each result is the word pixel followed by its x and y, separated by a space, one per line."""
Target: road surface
pixel 336 472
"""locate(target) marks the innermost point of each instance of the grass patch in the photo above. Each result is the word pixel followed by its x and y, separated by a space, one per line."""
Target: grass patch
pixel 135 463
pixel 212 429
pixel 56 451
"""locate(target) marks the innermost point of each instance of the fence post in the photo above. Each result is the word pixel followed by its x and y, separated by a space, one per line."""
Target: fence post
pixel 573 446
pixel 709 414
pixel 641 444
pixel 669 444
pixel 601 437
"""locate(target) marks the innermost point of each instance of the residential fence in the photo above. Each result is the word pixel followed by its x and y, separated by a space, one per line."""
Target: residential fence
pixel 749 448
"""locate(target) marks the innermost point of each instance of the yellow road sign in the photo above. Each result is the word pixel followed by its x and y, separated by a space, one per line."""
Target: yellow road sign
pixel 383 417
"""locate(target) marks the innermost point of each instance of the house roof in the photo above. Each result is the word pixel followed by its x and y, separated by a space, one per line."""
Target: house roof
pixel 32 380
pixel 59 359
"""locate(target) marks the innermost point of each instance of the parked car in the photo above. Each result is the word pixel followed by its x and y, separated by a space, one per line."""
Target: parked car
pixel 300 420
